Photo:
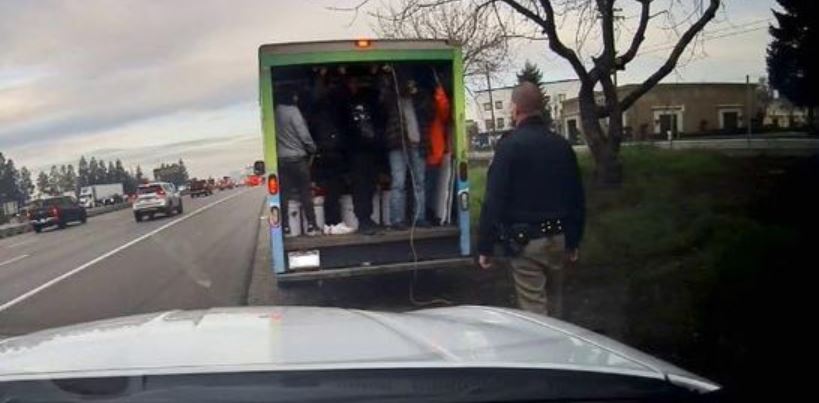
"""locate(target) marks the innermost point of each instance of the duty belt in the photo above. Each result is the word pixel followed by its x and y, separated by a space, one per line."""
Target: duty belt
pixel 517 236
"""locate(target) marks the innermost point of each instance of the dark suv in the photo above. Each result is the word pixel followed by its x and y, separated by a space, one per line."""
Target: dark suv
pixel 54 211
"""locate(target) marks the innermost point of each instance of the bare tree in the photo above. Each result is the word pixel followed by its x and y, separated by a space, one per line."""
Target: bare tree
pixel 601 105
pixel 482 33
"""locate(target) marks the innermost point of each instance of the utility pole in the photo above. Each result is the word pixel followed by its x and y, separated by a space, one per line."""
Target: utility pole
pixel 748 108
pixel 491 102
pixel 615 17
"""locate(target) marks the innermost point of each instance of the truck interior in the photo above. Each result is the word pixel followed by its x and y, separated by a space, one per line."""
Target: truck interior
pixel 321 91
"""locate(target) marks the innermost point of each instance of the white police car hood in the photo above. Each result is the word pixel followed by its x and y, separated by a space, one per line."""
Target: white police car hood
pixel 290 338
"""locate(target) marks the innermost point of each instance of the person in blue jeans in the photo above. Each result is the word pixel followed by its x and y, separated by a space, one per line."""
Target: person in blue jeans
pixel 404 143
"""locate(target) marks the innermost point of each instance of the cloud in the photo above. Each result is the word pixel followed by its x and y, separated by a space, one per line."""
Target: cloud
pixel 103 64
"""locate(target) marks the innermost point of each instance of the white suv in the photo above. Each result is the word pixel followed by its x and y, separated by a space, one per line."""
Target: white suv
pixel 156 197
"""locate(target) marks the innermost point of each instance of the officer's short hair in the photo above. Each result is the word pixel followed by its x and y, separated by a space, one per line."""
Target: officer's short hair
pixel 528 98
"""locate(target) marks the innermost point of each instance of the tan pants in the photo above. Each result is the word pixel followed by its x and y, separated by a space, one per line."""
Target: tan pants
pixel 541 258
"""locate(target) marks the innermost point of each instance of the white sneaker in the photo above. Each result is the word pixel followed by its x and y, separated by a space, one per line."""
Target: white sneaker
pixel 342 229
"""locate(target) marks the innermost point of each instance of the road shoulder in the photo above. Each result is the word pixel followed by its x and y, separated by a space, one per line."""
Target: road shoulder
pixel 262 285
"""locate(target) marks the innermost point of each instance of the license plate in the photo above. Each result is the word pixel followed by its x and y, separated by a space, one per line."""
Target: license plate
pixel 304 260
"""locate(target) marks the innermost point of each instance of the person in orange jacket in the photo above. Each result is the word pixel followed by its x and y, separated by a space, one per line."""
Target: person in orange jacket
pixel 437 129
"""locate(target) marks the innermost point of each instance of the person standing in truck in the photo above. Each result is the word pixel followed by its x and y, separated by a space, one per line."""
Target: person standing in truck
pixel 294 147
pixel 365 147
pixel 404 140
pixel 330 164
pixel 540 224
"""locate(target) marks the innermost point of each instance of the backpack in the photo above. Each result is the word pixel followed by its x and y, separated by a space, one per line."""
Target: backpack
pixel 363 124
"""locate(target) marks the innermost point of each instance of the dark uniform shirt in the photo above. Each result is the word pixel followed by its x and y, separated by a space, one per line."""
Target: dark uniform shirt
pixel 533 177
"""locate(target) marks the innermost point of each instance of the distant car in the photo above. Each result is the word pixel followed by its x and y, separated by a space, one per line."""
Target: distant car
pixel 156 198
pixel 200 188
pixel 55 211
pixel 112 200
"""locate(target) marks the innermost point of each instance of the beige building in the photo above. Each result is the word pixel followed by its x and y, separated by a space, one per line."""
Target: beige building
pixel 498 105
pixel 678 109
pixel 781 114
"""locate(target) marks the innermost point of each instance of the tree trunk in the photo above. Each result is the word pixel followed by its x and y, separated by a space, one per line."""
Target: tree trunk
pixel 608 170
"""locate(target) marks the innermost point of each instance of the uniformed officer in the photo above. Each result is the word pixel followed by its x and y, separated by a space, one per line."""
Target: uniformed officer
pixel 534 205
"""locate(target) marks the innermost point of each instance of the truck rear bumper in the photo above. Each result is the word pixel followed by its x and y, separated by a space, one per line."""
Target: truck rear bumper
pixel 345 272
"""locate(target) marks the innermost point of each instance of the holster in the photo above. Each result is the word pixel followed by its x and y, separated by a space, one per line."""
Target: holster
pixel 514 238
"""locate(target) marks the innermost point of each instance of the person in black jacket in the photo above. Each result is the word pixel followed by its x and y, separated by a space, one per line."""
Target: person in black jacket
pixel 327 125
pixel 364 149
pixel 534 205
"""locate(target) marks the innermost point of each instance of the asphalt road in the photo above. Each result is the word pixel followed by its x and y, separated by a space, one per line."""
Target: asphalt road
pixel 113 266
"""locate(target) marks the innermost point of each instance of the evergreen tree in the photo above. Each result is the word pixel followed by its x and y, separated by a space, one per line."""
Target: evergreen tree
pixel 183 172
pixel 121 175
pixel 138 175
pixel 26 185
pixel 102 172
pixel 4 188
pixel 792 65
pixel 42 183
pixel 68 181
pixel 82 173
pixel 54 180
pixel 9 180
pixel 93 172
pixel 532 74
pixel 111 173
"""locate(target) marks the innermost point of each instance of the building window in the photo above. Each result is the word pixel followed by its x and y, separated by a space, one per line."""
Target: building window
pixel 571 125
pixel 500 123
pixel 487 106
pixel 668 120
pixel 498 104
pixel 489 125
pixel 730 119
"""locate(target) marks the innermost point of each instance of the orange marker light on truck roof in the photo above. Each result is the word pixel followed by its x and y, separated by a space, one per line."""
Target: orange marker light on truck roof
pixel 363 43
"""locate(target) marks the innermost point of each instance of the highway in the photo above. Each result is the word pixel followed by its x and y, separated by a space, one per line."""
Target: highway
pixel 113 266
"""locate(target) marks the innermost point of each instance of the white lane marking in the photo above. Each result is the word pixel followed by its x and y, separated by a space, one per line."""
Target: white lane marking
pixel 14 245
pixel 110 253
pixel 12 260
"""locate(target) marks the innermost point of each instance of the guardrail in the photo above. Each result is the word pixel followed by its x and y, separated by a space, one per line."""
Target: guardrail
pixel 10 230
pixel 91 212
pixel 13 229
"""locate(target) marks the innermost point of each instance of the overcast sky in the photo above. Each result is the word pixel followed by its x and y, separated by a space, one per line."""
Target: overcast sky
pixel 153 81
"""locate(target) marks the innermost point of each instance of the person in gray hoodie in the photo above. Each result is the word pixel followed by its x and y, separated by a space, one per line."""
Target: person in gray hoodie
pixel 294 148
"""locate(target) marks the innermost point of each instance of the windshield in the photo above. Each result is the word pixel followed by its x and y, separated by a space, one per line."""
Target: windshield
pixel 150 189
pixel 618 176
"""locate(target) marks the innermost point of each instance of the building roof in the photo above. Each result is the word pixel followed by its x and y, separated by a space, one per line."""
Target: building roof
pixel 509 87
pixel 666 85
pixel 691 84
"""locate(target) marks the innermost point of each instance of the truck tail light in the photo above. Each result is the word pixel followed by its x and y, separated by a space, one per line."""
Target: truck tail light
pixel 273 184
pixel 160 193
pixel 463 171
pixel 463 200
pixel 275 217
pixel 55 212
